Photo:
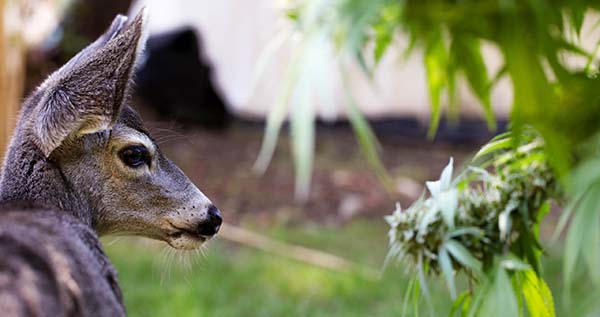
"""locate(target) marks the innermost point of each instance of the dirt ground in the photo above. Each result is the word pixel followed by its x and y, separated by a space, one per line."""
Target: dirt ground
pixel 343 186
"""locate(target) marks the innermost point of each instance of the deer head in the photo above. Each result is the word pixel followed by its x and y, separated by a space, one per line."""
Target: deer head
pixel 79 147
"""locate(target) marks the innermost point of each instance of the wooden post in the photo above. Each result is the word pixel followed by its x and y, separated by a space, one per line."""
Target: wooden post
pixel 11 78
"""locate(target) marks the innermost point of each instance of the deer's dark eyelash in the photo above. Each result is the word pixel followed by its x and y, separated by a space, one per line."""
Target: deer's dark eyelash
pixel 135 156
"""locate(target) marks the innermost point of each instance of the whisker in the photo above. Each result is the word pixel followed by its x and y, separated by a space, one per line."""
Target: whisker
pixel 161 134
pixel 197 255
pixel 115 240
pixel 203 251
pixel 169 262
pixel 163 259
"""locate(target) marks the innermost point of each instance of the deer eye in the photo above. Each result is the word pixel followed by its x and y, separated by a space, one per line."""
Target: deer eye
pixel 135 156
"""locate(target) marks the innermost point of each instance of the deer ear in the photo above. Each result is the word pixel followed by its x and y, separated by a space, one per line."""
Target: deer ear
pixel 87 94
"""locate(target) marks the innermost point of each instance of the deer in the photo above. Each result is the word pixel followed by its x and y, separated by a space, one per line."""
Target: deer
pixel 81 165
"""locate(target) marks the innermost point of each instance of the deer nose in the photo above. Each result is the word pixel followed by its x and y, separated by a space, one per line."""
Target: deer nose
pixel 211 226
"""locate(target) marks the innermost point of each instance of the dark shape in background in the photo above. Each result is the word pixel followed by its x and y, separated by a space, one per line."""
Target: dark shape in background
pixel 176 82
pixel 83 22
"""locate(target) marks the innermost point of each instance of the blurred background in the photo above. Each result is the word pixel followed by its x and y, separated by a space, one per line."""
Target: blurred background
pixel 204 99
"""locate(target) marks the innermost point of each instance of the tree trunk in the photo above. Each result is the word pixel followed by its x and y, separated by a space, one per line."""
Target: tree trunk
pixel 11 78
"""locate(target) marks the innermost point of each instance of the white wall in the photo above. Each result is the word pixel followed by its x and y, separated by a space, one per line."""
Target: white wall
pixel 236 32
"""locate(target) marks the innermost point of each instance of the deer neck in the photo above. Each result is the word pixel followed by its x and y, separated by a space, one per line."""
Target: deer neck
pixel 27 176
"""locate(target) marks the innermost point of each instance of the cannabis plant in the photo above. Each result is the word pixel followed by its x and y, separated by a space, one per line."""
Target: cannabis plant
pixel 483 224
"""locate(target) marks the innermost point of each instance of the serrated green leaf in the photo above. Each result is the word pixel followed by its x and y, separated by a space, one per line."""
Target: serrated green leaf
pixel 461 304
pixel 500 300
pixel 436 60
pixel 360 57
pixel 496 78
pixel 532 92
pixel 447 271
pixel 531 248
pixel 517 287
pixel 277 115
pixel 542 212
pixel 366 138
pixel 422 281
pixel 577 16
pixel 383 39
pixel 467 52
pixel 416 295
pixel 479 296
pixel 503 135
pixel 537 295
pixel 457 232
pixel 584 176
pixel 462 255
pixel 591 247
pixel 303 138
pixel 565 216
pixel 493 147
pixel 407 295
pixel 453 94
pixel 581 236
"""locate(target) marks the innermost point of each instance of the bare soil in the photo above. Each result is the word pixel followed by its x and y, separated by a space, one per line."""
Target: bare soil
pixel 343 186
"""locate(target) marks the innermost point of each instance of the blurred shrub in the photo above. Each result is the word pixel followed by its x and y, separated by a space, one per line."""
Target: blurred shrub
pixel 554 101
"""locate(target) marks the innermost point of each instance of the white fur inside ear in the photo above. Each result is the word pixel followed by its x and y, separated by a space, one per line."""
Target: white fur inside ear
pixel 62 112
pixel 57 117
pixel 94 125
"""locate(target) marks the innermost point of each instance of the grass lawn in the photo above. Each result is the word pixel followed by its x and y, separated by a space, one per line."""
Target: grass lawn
pixel 233 280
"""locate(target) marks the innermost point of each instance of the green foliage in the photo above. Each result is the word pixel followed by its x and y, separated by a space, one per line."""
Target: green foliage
pixel 535 39
pixel 485 225
pixel 537 295
pixel 499 299
pixel 464 227
pixel 307 84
